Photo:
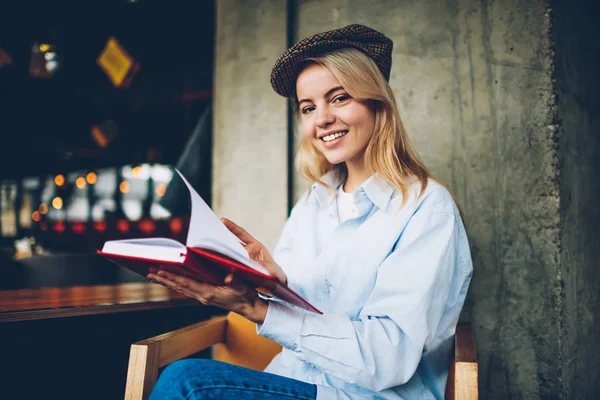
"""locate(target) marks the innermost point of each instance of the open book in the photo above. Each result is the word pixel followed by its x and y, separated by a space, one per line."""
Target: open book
pixel 210 253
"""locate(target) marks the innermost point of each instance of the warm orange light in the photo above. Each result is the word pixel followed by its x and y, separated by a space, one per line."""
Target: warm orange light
pixel 57 203
pixel 59 227
pixel 43 209
pixel 91 178
pixel 59 180
pixel 99 137
pixel 136 171
pixel 124 187
pixel 36 216
pixel 123 225
pixel 78 227
pixel 176 225
pixel 161 189
pixel 100 226
pixel 147 226
pixel 80 182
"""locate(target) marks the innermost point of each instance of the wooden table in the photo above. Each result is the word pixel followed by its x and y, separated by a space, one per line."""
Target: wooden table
pixel 34 304
pixel 73 342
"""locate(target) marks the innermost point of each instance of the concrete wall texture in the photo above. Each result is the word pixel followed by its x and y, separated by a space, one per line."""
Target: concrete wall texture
pixel 250 162
pixel 492 95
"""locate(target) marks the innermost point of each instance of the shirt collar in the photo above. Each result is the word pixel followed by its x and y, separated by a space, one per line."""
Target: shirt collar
pixel 324 195
pixel 377 189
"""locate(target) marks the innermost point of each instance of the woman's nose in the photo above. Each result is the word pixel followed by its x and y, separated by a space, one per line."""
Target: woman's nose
pixel 324 118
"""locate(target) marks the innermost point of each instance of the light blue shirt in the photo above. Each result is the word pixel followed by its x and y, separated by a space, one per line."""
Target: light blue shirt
pixel 390 282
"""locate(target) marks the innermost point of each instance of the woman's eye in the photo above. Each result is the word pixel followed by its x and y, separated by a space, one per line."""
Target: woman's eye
pixel 341 98
pixel 306 110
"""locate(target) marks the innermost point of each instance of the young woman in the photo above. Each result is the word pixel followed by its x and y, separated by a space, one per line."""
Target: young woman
pixel 376 244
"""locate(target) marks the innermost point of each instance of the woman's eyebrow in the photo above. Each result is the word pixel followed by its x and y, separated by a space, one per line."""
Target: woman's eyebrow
pixel 329 93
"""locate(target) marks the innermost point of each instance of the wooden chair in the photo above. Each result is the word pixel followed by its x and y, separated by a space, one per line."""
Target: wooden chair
pixel 235 341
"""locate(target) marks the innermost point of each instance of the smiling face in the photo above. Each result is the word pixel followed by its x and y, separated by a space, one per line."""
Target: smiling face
pixel 339 126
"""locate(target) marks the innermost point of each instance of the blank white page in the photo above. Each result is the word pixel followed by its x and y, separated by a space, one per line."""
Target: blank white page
pixel 161 249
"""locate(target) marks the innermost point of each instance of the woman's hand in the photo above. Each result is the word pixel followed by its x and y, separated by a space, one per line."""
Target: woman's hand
pixel 234 295
pixel 256 250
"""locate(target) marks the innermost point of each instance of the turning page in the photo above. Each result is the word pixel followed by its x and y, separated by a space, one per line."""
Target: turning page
pixel 207 231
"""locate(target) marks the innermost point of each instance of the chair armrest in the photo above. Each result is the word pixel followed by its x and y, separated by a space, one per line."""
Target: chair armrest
pixel 183 342
pixel 147 356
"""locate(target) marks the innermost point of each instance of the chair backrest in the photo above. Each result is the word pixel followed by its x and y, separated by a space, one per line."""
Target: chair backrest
pixel 242 346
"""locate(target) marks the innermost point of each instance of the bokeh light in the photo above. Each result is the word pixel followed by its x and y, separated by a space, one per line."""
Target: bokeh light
pixel 80 182
pixel 59 180
pixel 124 187
pixel 136 171
pixel 43 208
pixel 57 203
pixel 161 189
pixel 91 178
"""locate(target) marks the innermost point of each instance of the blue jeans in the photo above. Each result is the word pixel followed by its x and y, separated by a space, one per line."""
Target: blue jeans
pixel 193 379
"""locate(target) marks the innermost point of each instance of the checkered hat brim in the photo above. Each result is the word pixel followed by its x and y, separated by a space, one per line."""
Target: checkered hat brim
pixel 373 43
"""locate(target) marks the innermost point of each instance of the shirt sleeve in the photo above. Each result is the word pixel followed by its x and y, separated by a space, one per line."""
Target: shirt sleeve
pixel 381 349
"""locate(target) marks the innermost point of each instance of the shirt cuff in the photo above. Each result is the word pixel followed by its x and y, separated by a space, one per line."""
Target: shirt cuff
pixel 282 325
pixel 266 297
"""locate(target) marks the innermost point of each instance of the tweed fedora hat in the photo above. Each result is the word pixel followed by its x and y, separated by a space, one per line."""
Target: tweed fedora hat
pixel 372 43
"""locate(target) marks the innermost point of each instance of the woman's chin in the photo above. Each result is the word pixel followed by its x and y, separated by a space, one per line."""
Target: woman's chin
pixel 335 160
pixel 333 155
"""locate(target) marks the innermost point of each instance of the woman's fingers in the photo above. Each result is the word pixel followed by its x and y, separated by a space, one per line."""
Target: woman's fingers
pixel 181 280
pixel 173 281
pixel 235 283
pixel 190 288
pixel 238 231
pixel 163 281
pixel 256 252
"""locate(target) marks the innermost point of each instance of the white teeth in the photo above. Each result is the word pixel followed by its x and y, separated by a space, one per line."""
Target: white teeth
pixel 333 136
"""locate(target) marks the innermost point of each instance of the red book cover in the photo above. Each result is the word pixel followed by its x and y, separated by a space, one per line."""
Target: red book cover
pixel 211 267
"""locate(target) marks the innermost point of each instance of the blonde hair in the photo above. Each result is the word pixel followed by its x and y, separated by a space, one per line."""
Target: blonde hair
pixel 389 153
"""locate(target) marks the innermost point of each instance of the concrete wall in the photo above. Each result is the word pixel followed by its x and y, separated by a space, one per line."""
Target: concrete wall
pixel 578 92
pixel 250 167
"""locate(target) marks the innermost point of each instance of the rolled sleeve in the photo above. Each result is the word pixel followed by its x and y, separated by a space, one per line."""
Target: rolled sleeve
pixel 282 325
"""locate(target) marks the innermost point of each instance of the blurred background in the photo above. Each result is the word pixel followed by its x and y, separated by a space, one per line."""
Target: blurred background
pixel 99 101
